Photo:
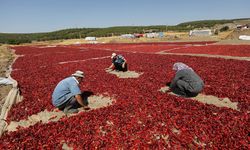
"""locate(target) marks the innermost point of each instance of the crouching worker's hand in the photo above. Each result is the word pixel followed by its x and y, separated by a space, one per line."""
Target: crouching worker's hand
pixel 123 65
pixel 108 69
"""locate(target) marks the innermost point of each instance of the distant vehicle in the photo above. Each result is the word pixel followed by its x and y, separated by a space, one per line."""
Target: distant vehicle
pixel 138 35
pixel 245 26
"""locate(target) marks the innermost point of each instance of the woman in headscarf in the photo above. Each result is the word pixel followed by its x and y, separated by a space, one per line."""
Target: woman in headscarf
pixel 186 82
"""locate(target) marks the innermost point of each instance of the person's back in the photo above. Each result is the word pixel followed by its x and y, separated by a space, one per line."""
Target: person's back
pixel 120 63
pixel 64 90
pixel 186 82
pixel 195 83
pixel 118 60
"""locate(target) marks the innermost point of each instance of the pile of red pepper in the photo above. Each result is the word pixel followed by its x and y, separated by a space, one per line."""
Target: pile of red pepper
pixel 142 116
pixel 225 50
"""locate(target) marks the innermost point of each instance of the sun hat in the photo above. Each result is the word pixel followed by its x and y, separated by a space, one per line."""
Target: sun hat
pixel 113 55
pixel 78 73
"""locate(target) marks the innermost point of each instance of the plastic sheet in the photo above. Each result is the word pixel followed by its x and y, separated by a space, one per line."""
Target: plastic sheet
pixel 5 81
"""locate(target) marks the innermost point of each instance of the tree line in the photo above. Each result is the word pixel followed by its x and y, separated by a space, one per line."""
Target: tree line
pixel 77 33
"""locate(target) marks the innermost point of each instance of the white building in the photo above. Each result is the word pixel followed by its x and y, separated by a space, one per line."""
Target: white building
pixel 154 35
pixel 206 32
pixel 127 36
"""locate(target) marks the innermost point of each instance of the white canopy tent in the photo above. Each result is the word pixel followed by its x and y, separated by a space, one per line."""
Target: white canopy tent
pixel 207 32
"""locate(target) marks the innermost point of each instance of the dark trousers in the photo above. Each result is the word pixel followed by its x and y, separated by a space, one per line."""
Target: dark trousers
pixel 180 88
pixel 119 67
pixel 70 104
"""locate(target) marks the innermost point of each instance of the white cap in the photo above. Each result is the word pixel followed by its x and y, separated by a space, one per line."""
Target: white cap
pixel 78 73
pixel 113 55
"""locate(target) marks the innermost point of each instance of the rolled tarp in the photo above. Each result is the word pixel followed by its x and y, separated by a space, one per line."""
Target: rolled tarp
pixel 12 98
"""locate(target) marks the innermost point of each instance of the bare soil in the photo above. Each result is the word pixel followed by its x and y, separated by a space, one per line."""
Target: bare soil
pixel 94 102
pixel 236 33
pixel 208 99
pixel 127 74
pixel 207 55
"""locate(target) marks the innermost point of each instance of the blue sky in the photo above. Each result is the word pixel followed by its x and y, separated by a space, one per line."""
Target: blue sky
pixel 29 16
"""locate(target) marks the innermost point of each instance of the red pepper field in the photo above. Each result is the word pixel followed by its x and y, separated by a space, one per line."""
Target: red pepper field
pixel 142 117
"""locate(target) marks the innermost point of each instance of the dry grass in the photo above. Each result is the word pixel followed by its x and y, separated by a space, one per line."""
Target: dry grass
pixel 6 58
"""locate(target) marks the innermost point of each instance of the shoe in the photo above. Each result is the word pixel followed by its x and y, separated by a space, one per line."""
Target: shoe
pixel 70 111
pixel 86 107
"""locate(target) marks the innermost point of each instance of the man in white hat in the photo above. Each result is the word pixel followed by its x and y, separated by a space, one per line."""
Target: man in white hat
pixel 67 94
pixel 119 63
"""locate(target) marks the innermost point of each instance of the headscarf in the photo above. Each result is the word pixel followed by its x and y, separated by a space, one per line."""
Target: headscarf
pixel 180 66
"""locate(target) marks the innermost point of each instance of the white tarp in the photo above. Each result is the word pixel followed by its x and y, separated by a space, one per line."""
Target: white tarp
pixel 244 37
pixel 154 35
pixel 127 36
pixel 90 38
pixel 5 81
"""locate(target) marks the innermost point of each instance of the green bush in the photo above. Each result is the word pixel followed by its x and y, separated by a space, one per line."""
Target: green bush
pixel 18 41
pixel 225 28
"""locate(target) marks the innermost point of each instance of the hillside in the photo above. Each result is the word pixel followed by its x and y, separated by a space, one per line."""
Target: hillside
pixel 78 33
